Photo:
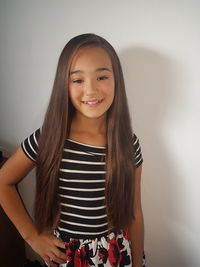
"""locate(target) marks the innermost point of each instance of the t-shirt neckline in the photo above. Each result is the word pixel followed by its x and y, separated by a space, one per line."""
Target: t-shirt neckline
pixel 84 144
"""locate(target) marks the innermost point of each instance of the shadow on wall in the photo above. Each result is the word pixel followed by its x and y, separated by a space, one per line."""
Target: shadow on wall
pixel 154 98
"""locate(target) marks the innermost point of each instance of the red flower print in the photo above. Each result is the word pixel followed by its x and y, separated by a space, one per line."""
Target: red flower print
pixel 69 252
pixel 103 254
pixel 126 234
pixel 114 254
pixel 80 258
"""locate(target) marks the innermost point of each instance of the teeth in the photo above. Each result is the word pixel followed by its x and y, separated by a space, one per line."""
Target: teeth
pixel 92 102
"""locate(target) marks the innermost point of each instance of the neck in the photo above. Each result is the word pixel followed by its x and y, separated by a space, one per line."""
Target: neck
pixel 89 125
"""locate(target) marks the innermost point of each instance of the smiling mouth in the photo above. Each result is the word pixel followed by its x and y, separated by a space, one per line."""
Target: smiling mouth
pixel 92 102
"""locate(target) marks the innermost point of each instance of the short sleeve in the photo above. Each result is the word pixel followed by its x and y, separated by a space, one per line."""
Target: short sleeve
pixel 137 150
pixel 30 145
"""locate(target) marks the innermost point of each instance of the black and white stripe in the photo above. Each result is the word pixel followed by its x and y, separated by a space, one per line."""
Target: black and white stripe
pixel 81 186
pixel 138 152
pixel 30 145
pixel 82 190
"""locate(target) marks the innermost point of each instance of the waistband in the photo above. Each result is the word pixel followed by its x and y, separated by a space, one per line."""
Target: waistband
pixel 66 237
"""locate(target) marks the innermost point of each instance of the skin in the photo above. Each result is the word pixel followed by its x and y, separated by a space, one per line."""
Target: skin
pixel 136 229
pixel 91 83
pixel 91 77
pixel 12 172
pixel 86 83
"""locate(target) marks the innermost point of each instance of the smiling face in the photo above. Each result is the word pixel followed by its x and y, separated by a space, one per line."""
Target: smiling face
pixel 91 82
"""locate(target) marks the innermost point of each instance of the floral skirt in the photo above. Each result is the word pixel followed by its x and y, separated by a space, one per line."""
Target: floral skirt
pixel 110 251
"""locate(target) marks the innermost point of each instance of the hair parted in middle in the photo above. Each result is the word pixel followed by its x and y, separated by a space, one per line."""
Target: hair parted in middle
pixel 55 129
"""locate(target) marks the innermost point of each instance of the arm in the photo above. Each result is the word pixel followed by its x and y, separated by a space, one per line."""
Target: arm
pixel 13 171
pixel 136 228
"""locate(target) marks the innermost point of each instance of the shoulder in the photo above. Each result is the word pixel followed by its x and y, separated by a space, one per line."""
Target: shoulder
pixel 30 145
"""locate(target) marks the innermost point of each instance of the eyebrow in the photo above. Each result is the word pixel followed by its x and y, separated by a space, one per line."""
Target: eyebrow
pixel 99 69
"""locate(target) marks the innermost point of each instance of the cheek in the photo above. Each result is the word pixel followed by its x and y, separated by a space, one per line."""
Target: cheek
pixel 75 93
pixel 111 90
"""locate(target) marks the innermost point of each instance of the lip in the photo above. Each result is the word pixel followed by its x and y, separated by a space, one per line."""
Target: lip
pixel 93 100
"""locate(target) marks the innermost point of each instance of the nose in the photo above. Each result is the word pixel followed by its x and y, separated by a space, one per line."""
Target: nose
pixel 90 87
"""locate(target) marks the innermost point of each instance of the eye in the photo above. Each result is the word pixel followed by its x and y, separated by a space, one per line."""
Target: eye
pixel 102 78
pixel 77 81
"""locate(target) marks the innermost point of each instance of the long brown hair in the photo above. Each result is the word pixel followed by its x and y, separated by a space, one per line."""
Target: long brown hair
pixel 55 130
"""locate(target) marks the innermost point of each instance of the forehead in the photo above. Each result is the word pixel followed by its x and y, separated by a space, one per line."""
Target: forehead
pixel 90 57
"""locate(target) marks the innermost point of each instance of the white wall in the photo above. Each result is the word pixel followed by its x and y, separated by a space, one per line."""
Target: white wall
pixel 158 44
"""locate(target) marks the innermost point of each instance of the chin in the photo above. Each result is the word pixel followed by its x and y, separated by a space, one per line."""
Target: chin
pixel 94 116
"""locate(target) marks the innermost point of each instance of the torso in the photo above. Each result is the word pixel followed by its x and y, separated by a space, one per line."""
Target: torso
pixel 82 189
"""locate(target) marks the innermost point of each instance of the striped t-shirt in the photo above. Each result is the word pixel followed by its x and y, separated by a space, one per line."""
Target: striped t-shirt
pixel 81 186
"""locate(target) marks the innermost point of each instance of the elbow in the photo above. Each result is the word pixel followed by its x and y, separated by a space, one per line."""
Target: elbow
pixel 138 216
pixel 5 184
pixel 137 223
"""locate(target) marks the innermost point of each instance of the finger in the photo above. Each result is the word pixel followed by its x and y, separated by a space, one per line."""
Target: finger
pixel 59 243
pixel 59 254
pixel 50 262
pixel 57 259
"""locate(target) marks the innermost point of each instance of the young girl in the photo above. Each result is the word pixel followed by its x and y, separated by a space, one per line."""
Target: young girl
pixel 88 166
